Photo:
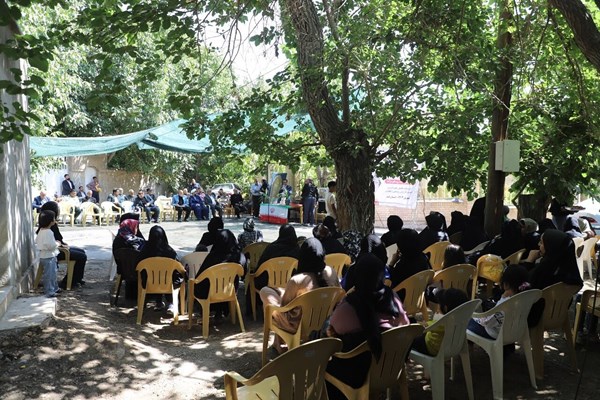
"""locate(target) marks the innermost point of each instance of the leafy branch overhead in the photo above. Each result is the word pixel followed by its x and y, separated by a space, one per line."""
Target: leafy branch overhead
pixel 402 88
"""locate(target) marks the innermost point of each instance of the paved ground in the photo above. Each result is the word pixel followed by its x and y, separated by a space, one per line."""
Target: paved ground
pixel 92 350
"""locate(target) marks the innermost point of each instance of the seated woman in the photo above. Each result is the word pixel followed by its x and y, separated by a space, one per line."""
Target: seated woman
pixel 394 225
pixel 286 245
pixel 77 254
pixel 250 235
pixel 312 273
pixel 225 249
pixel 435 231
pixel 330 245
pixel 370 244
pixel 128 236
pixel 208 238
pixel 458 223
pixel 329 222
pixel 158 246
pixel 363 314
pixel 409 259
pixel 509 241
pixel 554 262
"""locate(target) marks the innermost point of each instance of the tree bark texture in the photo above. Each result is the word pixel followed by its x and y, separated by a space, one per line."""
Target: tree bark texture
pixel 502 95
pixel 584 29
pixel 349 148
pixel 533 206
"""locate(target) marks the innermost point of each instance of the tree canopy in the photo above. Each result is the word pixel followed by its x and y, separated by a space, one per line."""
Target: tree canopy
pixel 401 88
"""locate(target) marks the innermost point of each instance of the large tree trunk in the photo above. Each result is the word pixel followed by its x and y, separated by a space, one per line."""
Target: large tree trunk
pixel 502 95
pixel 533 206
pixel 583 26
pixel 348 148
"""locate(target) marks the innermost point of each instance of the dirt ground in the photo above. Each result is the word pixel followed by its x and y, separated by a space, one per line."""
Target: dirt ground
pixel 91 350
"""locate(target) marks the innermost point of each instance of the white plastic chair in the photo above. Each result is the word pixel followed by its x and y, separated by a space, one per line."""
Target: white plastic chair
pixel 584 260
pixel 513 329
pixel 453 344
pixel 193 261
pixel 127 206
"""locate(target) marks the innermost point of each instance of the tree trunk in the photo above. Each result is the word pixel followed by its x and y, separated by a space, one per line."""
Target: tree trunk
pixel 583 26
pixel 533 206
pixel 349 149
pixel 502 95
pixel 355 192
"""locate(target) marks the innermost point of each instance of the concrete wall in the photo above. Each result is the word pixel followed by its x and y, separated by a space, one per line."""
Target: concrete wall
pixel 81 170
pixel 16 231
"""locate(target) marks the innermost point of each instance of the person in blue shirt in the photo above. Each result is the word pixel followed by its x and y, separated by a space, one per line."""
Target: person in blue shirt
pixel 181 204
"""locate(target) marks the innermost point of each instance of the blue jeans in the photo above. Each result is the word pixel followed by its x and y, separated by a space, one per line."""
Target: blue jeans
pixel 49 277
pixel 309 210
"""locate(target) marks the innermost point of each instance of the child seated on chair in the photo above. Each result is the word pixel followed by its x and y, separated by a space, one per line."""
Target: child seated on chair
pixel 48 249
pixel 514 281
pixel 447 299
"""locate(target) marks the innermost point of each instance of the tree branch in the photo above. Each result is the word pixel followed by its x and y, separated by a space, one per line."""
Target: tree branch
pixel 584 28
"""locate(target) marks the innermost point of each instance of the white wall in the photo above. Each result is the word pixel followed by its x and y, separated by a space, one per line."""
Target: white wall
pixel 16 230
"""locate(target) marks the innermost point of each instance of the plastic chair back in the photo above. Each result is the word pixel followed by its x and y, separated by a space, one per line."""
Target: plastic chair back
pixel 516 310
pixel 490 267
pixel 254 252
pixel 67 210
pixel 193 261
pixel 279 270
pixel 396 343
pixel 89 209
pixel 514 258
pixel 316 306
pixel 557 298
pixel 337 261
pixel 455 328
pixel 414 299
pixel 127 206
pixel 299 371
pixel 457 276
pixel 585 258
pixel 436 254
pixel 391 250
pixel 160 274
pixel 159 280
pixel 222 281
pixel 479 247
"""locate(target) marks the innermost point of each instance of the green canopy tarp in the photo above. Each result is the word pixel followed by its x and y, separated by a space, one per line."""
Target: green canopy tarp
pixel 170 136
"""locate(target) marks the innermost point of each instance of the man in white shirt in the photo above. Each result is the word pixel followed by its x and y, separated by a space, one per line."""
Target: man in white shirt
pixel 330 201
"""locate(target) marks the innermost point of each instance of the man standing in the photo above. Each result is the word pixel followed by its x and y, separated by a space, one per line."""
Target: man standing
pixel 94 186
pixel 330 200
pixel 67 185
pixel 310 195
pixel 256 197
